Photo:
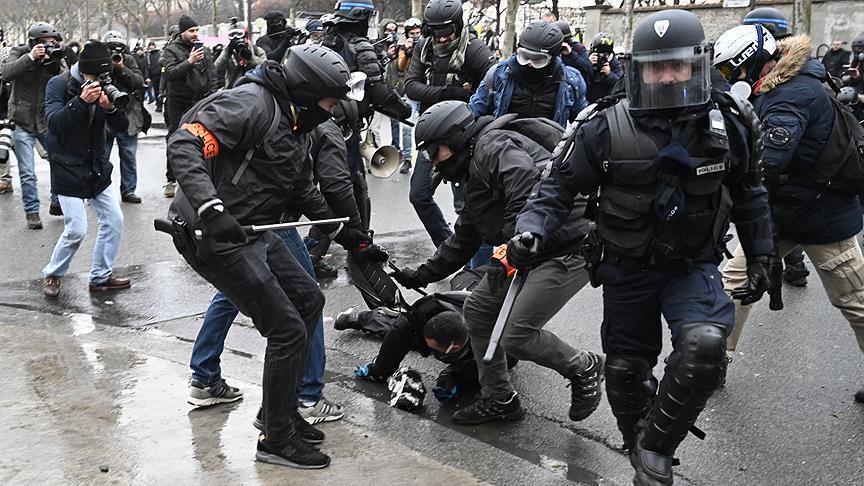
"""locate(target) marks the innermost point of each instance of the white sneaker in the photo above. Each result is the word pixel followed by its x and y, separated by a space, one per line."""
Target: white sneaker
pixel 323 411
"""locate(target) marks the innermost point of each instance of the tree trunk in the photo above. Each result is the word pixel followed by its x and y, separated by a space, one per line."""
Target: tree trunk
pixel 167 18
pixel 801 11
pixel 509 33
pixel 555 9
pixel 628 25
pixel 417 7
pixel 215 27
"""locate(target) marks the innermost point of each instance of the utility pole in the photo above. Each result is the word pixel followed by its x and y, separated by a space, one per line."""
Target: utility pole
pixel 801 10
pixel 509 28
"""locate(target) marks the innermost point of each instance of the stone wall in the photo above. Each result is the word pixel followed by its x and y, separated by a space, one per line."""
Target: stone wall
pixel 840 19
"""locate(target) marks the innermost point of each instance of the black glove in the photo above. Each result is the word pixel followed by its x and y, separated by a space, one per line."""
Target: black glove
pixel 373 253
pixel 409 278
pixel 496 275
pixel 456 93
pixel 353 239
pixel 221 226
pixel 523 251
pixel 231 46
pixel 758 281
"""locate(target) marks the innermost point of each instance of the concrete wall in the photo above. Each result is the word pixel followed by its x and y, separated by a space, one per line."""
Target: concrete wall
pixel 840 19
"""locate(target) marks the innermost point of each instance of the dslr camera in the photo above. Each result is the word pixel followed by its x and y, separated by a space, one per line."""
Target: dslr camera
pixel 118 98
pixel 54 51
pixel 6 129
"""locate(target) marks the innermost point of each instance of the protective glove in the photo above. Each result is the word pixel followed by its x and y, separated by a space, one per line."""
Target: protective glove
pixel 366 372
pixel 221 226
pixel 353 239
pixel 496 275
pixel 758 281
pixel 373 253
pixel 523 251
pixel 409 278
pixel 231 46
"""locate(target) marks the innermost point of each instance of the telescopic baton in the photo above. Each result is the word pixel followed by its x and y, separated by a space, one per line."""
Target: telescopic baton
pixel 504 314
pixel 252 229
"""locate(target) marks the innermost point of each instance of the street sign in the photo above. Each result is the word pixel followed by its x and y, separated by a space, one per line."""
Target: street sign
pixel 736 3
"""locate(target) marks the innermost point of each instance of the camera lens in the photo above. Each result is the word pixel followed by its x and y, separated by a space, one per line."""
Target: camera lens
pixel 5 140
pixel 117 57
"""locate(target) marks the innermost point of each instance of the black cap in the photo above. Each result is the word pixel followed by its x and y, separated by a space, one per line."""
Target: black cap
pixel 185 23
pixel 668 29
pixel 95 58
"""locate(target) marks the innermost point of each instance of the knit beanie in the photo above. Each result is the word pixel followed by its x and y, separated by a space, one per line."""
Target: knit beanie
pixel 95 58
pixel 186 23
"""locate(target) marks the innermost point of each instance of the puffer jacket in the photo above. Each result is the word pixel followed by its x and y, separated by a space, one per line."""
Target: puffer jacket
pixel 797 118
pixel 494 100
pixel 80 165
pixel 28 80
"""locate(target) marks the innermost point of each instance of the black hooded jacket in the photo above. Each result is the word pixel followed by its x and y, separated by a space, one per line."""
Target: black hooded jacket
pixel 215 135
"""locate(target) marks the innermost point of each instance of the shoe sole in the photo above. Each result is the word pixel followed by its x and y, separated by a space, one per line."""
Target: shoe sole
pixel 95 290
pixel 506 417
pixel 209 402
pixel 281 461
pixel 319 420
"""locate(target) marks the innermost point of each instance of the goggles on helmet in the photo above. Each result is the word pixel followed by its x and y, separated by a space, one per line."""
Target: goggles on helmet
pixel 537 60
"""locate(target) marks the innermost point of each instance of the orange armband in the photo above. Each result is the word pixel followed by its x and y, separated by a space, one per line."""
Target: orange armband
pixel 211 145
pixel 500 254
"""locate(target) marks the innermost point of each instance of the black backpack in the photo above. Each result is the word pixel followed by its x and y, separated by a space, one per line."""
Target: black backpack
pixel 841 166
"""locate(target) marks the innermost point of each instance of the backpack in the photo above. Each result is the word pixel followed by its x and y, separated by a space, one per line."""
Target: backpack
pixel 841 166
pixel 545 132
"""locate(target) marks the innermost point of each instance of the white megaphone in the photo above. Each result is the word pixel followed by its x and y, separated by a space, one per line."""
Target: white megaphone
pixel 383 161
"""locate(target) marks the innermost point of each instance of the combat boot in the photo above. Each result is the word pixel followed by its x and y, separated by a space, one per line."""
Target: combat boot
pixel 796 274
pixel 651 468
pixel 487 409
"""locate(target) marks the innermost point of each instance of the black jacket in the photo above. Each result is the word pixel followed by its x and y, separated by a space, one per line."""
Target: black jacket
pixel 192 82
pixel 276 179
pixel 130 80
pixel 834 62
pixel 330 170
pixel 80 165
pixel 154 66
pixel 503 172
pixel 28 80
pixel 478 60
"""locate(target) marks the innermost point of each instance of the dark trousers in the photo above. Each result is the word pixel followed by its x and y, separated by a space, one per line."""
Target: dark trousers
pixel 265 282
pixel 634 300
pixel 794 258
pixel 174 110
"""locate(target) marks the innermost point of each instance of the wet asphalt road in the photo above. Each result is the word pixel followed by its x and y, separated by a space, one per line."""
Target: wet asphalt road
pixel 92 379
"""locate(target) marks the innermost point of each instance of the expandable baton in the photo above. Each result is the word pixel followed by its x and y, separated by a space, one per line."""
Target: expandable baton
pixel 775 287
pixel 504 314
pixel 252 229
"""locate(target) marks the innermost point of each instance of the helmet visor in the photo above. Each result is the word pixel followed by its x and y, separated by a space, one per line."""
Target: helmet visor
pixel 356 86
pixel 537 60
pixel 669 78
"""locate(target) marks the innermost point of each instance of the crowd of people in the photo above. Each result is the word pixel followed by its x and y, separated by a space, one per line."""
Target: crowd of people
pixel 564 172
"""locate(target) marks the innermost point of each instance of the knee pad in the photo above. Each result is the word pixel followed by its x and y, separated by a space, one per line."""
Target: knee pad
pixel 630 385
pixel 699 359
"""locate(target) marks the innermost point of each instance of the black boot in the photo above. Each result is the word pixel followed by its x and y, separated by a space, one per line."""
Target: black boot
pixel 796 274
pixel 585 391
pixel 651 468
pixel 859 397
pixel 486 410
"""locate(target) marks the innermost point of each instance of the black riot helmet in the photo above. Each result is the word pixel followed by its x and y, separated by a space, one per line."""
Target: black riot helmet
pixel 447 123
pixel 858 43
pixel 671 62
pixel 566 31
pixel 770 18
pixel 539 43
pixel 315 72
pixel 443 17
pixel 353 11
pixel 41 29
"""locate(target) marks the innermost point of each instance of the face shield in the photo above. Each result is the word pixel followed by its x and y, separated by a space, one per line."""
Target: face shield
pixel 537 60
pixel 356 86
pixel 669 78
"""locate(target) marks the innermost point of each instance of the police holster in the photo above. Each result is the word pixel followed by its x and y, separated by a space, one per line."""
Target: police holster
pixel 592 253
pixel 181 233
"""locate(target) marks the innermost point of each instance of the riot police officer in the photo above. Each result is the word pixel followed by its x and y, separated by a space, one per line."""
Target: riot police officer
pixel 499 161
pixel 239 158
pixel 345 33
pixel 668 166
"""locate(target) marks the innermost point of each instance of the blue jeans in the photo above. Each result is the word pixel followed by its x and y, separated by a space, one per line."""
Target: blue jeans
pixel 127 146
pixel 25 143
pixel 394 134
pixel 107 207
pixel 211 338
pixel 422 198
pixel 408 132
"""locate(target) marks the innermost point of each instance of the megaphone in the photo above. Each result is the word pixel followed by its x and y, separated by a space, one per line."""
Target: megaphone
pixel 383 161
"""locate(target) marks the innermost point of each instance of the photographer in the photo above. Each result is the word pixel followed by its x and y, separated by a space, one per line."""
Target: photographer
pixel 190 77
pixel 78 106
pixel 836 59
pixel 606 69
pixel 279 36
pixel 28 69
pixel 413 31
pixel 239 56
pixel 153 74
pixel 127 77
pixel 573 52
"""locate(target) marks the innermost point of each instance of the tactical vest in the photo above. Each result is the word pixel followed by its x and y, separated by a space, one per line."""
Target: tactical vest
pixel 627 221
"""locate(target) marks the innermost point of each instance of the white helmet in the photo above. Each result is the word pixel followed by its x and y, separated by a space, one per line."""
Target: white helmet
pixel 746 47
pixel 413 22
